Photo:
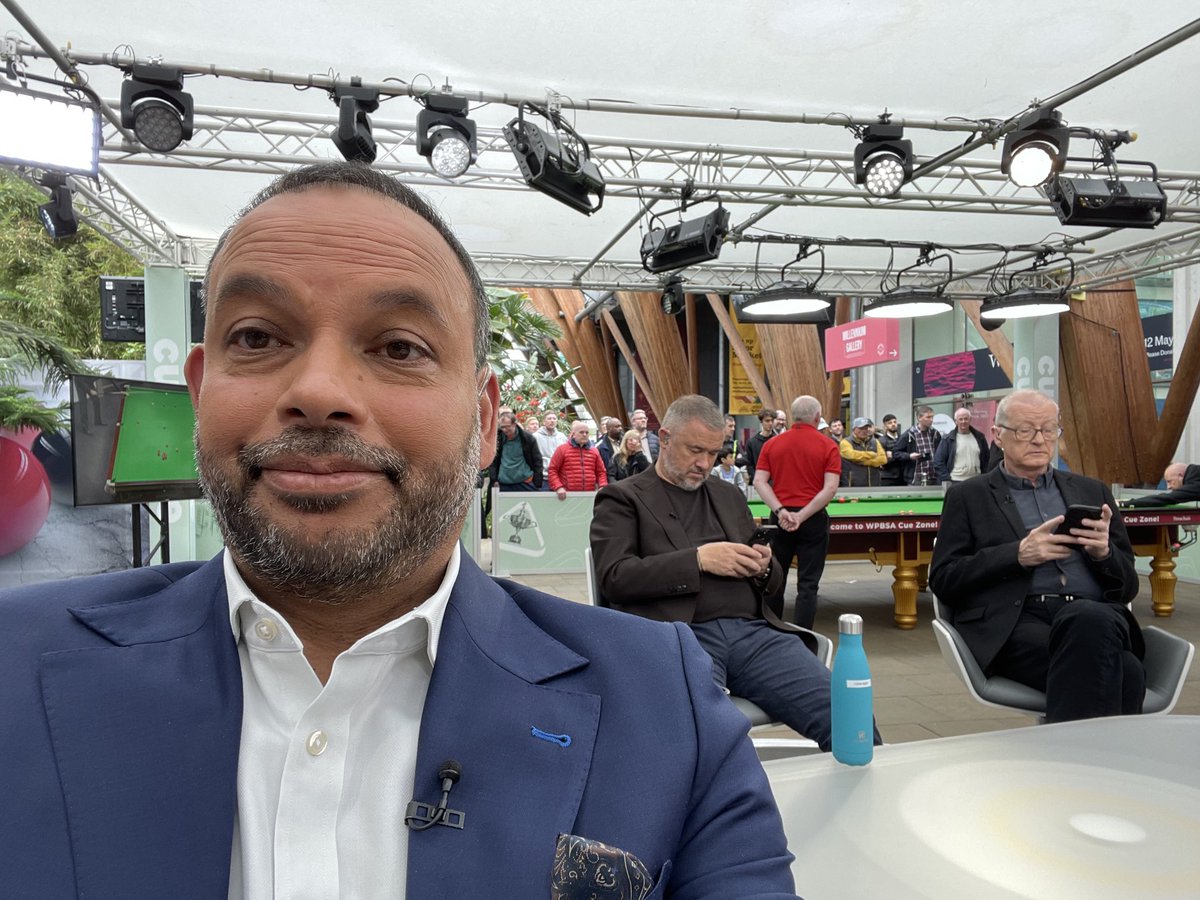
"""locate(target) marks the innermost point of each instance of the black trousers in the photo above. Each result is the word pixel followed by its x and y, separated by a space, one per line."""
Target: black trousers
pixel 807 545
pixel 1080 654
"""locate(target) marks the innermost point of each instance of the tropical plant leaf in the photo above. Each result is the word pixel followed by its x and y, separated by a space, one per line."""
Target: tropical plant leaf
pixel 20 409
pixel 24 349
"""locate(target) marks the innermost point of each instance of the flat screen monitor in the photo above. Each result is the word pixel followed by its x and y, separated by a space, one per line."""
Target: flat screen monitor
pixel 131 441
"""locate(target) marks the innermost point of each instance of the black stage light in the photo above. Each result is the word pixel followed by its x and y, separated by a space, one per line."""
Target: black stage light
pixel 908 303
pixel 58 216
pixel 672 296
pixel 1023 303
pixel 685 243
pixel 445 136
pixel 155 107
pixel 562 170
pixel 1112 202
pixel 1036 150
pixel 991 324
pixel 883 161
pixel 353 136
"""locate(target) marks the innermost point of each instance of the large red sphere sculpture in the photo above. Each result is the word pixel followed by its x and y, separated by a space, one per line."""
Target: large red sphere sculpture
pixel 24 496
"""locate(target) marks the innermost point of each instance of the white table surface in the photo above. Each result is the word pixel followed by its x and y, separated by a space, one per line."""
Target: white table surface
pixel 1107 808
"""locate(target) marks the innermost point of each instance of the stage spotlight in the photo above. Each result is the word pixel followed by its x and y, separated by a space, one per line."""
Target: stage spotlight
pixel 685 243
pixel 1112 203
pixel 155 107
pixel 445 136
pixel 908 303
pixel 883 161
pixel 58 216
pixel 353 136
pixel 1036 150
pixel 559 164
pixel 672 296
pixel 1024 303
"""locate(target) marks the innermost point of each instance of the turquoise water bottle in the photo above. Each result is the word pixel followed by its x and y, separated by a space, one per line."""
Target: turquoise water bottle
pixel 853 718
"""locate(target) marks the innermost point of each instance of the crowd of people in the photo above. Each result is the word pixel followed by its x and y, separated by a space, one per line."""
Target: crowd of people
pixel 871 455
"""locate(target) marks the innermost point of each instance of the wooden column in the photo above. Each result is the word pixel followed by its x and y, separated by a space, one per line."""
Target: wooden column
pixel 693 353
pixel 833 392
pixel 999 346
pixel 659 346
pixel 584 345
pixel 741 351
pixel 631 359
pixel 792 358
pixel 1111 401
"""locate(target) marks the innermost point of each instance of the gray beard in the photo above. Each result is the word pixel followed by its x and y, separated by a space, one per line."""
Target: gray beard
pixel 426 508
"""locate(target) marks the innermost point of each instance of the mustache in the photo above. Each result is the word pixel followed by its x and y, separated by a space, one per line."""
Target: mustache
pixel 318 442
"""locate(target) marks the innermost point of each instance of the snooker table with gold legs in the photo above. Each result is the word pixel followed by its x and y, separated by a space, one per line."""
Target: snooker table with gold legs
pixel 896 527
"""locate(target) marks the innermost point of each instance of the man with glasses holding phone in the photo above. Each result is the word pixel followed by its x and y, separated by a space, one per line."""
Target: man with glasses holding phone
pixel 1035 601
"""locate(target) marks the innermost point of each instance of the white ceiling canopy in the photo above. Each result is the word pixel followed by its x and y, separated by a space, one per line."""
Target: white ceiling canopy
pixel 745 102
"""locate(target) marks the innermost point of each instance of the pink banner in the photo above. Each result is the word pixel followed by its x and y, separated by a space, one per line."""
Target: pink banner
pixel 865 342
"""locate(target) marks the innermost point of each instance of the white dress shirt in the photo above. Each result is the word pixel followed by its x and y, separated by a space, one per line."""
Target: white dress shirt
pixel 325 772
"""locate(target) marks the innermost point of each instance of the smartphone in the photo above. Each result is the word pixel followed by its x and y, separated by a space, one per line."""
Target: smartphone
pixel 762 535
pixel 1076 513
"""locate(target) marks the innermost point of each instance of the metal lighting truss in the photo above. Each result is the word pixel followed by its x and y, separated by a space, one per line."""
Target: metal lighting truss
pixel 272 142
pixel 648 171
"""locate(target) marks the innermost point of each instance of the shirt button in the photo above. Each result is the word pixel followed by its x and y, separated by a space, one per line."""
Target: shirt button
pixel 266 629
pixel 317 742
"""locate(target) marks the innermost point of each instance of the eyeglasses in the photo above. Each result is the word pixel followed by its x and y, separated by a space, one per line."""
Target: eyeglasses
pixel 1025 433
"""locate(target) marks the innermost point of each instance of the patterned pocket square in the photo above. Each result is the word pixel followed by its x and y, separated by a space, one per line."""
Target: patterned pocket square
pixel 589 870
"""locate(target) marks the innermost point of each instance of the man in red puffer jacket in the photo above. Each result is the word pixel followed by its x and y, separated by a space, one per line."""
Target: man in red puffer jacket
pixel 576 465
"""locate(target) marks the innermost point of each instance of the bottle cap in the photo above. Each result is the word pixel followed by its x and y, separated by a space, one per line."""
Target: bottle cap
pixel 850 623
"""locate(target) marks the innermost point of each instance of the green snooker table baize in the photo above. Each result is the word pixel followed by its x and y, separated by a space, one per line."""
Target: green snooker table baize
pixel 896 527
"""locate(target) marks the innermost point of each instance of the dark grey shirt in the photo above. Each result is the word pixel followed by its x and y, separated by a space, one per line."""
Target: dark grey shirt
pixel 1036 503
pixel 719 598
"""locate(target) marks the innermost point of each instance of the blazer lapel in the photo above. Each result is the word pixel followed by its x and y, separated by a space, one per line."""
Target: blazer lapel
pixel 1002 494
pixel 653 496
pixel 145 735
pixel 498 704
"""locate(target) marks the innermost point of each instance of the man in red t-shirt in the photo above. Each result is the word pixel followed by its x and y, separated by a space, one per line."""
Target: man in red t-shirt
pixel 796 476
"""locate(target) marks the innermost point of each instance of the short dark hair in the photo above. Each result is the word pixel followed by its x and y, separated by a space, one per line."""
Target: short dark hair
pixel 888 418
pixel 924 410
pixel 693 407
pixel 765 413
pixel 724 453
pixel 335 173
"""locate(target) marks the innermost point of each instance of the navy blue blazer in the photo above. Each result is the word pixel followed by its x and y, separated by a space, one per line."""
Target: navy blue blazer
pixel 121 704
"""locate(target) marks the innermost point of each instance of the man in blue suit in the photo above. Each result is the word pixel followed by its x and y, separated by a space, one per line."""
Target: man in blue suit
pixel 256 726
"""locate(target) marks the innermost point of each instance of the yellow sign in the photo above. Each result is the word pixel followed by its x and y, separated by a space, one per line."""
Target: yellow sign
pixel 743 398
